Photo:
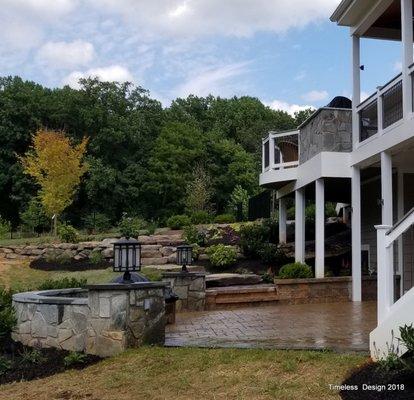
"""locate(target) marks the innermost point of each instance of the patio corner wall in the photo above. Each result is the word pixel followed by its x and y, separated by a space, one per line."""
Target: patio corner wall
pixel 190 287
pixel 102 320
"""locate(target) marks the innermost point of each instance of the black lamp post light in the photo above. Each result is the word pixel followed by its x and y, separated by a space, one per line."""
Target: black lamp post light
pixel 184 256
pixel 127 257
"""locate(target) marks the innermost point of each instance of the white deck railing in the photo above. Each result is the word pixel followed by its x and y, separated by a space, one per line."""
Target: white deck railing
pixel 272 155
pixel 386 236
pixel 381 110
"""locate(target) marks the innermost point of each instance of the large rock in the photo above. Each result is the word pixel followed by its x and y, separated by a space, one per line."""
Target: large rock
pixel 232 279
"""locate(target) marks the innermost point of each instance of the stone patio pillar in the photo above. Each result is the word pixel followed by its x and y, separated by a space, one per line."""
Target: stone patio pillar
pixel 124 316
pixel 190 287
pixel 300 225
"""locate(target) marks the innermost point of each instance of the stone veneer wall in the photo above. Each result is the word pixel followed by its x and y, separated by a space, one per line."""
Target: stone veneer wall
pixel 329 130
pixel 190 287
pixel 110 319
pixel 156 249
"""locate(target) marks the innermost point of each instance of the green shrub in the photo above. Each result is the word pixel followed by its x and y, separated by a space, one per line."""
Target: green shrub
pixel 7 315
pixel 5 228
pixel 32 356
pixel 5 365
pixel 34 218
pixel 295 270
pixel 221 255
pixel 63 283
pixel 225 219
pixel 407 336
pixel 272 255
pixel 129 227
pixel 193 236
pixel 67 233
pixel 201 217
pixel 96 257
pixel 55 256
pixel 75 358
pixel 178 221
pixel 252 238
pixel 237 197
pixel 96 222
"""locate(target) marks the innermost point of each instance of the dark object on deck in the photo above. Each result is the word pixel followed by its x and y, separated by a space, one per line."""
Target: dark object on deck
pixel 340 102
pixel 260 206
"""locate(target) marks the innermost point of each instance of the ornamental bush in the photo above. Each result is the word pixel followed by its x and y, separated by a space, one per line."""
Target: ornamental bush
pixel 129 227
pixel 178 221
pixel 67 233
pixel 63 283
pixel 272 255
pixel 252 238
pixel 225 219
pixel 221 255
pixel 7 316
pixel 193 236
pixel 201 217
pixel 295 270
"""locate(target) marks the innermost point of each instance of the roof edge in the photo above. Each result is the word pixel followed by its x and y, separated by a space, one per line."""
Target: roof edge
pixel 340 10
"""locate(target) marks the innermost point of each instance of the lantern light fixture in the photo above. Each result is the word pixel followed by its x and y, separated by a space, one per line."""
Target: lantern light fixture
pixel 127 257
pixel 184 256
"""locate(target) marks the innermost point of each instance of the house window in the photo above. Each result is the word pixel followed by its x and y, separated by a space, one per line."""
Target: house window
pixel 266 154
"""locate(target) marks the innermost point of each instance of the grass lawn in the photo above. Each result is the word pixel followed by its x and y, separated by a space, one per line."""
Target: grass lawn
pixel 17 275
pixel 167 373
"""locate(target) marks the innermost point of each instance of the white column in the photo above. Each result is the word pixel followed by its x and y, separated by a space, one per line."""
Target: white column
pixel 356 235
pixel 386 188
pixel 385 273
pixel 319 228
pixel 407 53
pixel 282 220
pixel 300 225
pixel 263 157
pixel 356 88
pixel 400 214
pixel 380 122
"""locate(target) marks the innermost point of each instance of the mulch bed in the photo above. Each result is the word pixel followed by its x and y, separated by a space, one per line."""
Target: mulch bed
pixel 52 362
pixel 73 265
pixel 377 384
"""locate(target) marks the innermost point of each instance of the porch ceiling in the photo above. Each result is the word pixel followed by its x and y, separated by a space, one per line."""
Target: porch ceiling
pixel 384 18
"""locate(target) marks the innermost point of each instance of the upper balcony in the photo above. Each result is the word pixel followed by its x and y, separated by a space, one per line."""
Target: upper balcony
pixel 280 157
pixel 309 152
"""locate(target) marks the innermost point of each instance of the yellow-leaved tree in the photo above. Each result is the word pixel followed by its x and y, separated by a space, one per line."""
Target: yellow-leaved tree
pixel 57 166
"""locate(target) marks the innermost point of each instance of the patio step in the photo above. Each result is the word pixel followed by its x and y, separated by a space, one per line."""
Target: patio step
pixel 241 296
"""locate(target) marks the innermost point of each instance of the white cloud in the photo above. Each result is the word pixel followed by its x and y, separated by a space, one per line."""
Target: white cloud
pixel 209 17
pixel 300 76
pixel 315 96
pixel 113 73
pixel 65 55
pixel 43 9
pixel 397 66
pixel 211 81
pixel 284 106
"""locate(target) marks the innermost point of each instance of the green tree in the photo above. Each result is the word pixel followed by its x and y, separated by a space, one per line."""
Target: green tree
pixel 199 191
pixel 34 217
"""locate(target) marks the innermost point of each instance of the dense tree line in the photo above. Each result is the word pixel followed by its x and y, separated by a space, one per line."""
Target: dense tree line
pixel 141 156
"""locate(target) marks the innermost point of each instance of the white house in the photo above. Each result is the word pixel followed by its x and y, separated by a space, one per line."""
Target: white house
pixel 363 156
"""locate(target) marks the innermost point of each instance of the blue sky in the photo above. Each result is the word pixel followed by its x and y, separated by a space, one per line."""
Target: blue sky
pixel 285 52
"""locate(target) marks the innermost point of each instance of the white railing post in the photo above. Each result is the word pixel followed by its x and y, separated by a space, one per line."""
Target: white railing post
pixel 385 273
pixel 271 152
pixel 356 235
pixel 356 88
pixel 407 53
pixel 380 112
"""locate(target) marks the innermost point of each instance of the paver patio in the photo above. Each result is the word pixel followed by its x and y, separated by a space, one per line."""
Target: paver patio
pixel 337 326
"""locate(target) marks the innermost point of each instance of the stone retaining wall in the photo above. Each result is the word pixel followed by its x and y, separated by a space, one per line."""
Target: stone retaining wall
pixel 102 320
pixel 156 249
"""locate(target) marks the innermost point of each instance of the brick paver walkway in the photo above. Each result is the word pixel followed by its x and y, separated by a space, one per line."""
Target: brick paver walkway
pixel 337 326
